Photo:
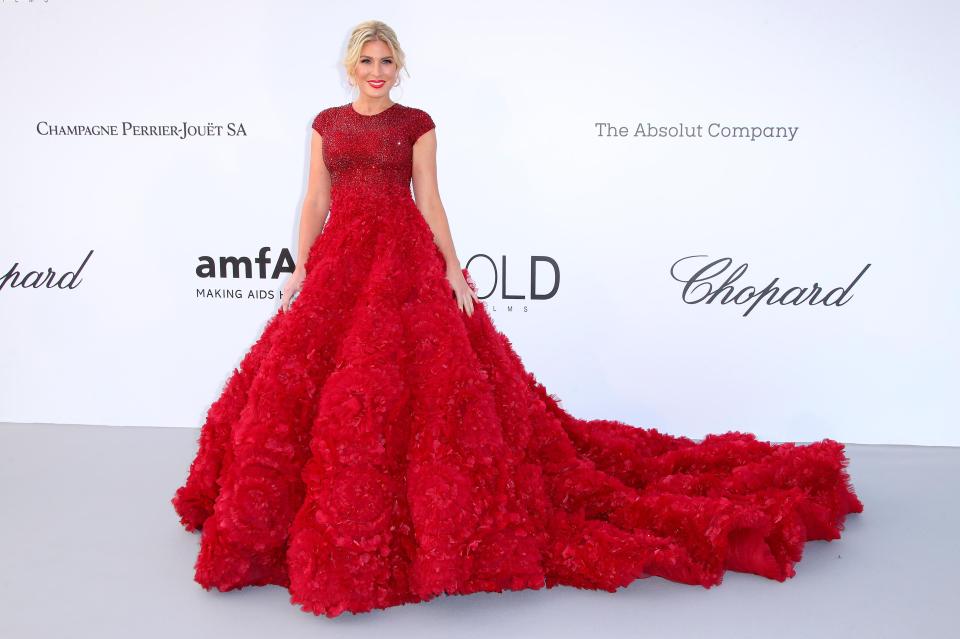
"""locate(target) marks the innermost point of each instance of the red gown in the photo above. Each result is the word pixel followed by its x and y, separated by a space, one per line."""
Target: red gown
pixel 378 446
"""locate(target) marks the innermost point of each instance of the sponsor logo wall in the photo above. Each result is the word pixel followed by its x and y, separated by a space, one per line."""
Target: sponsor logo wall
pixel 737 218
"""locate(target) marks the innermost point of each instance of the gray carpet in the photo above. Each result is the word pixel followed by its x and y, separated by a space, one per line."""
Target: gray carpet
pixel 92 548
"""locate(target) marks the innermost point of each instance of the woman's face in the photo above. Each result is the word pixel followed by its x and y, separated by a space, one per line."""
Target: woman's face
pixel 376 71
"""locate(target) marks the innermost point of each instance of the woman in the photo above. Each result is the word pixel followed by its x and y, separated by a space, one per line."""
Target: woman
pixel 382 443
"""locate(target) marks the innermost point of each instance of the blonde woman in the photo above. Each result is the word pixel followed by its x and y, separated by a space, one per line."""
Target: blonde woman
pixel 382 443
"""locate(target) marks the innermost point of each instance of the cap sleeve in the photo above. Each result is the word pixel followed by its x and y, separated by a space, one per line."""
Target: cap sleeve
pixel 420 123
pixel 319 122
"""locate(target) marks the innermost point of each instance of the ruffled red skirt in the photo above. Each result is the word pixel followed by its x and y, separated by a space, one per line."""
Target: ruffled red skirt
pixel 377 446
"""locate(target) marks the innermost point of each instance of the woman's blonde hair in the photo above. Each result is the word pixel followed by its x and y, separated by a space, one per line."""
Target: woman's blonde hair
pixel 366 32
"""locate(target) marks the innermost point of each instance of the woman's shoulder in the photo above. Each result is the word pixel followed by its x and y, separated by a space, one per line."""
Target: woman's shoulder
pixel 413 111
pixel 418 121
pixel 332 109
pixel 326 116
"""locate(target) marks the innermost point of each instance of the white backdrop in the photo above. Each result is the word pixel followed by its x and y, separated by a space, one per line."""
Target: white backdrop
pixel 522 95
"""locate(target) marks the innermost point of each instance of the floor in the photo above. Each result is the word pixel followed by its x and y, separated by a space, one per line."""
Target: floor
pixel 92 548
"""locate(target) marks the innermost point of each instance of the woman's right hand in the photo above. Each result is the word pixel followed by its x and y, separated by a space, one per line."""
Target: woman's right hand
pixel 291 288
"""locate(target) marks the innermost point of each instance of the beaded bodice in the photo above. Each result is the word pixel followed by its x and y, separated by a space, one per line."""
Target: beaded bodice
pixel 370 151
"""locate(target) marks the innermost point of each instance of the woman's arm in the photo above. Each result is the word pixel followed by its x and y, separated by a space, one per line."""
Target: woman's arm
pixel 316 203
pixel 313 216
pixel 427 196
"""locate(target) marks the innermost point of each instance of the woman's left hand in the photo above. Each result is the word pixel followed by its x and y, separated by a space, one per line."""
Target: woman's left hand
pixel 461 290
